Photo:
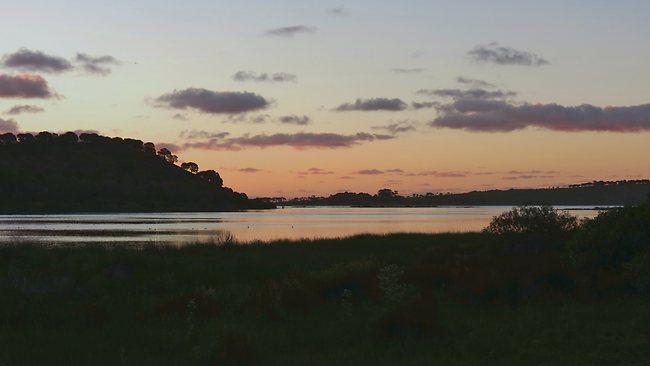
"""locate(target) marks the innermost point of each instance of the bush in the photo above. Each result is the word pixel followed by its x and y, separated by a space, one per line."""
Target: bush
pixel 639 269
pixel 233 347
pixel 539 220
pixel 417 318
pixel 358 278
pixel 612 239
pixel 496 277
pixel 289 294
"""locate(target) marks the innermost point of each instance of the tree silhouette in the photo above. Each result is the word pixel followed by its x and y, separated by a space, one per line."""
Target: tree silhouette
pixel 45 137
pixel 190 167
pixel 68 138
pixel 25 138
pixel 50 173
pixel 211 176
pixel 8 138
pixel 149 148
pixel 167 155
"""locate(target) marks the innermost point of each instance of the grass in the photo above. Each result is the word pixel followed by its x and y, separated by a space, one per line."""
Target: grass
pixel 408 299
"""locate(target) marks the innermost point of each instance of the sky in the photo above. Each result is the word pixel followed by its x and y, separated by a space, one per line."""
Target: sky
pixel 297 98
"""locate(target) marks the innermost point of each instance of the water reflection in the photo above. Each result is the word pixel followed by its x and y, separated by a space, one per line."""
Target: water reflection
pixel 287 223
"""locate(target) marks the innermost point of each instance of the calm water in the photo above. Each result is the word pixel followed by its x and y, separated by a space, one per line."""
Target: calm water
pixel 292 223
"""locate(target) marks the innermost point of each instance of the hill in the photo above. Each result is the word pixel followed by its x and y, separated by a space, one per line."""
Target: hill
pixel 600 193
pixel 50 173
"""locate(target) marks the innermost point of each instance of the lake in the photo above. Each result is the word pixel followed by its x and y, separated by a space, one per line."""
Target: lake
pixel 265 225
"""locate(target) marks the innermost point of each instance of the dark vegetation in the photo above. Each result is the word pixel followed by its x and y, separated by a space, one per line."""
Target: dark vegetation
pixel 92 173
pixel 536 287
pixel 600 193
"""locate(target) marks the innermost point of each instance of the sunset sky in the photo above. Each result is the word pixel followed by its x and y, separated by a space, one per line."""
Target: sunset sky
pixel 294 98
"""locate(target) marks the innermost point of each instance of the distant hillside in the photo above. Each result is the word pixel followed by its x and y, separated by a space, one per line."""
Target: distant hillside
pixel 599 193
pixel 90 173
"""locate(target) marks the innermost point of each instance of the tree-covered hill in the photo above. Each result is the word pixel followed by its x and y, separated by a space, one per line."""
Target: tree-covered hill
pixel 599 193
pixel 49 173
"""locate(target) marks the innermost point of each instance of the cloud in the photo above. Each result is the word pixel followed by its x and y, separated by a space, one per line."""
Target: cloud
pixel 24 86
pixel 180 117
pixel 475 83
pixel 212 102
pixel 245 118
pixel 476 93
pixel 527 176
pixel 8 126
pixel 398 127
pixel 424 105
pixel 80 131
pixel 500 55
pixel 294 120
pixel 315 171
pixel 98 65
pixel 502 116
pixel 264 118
pixel 19 109
pixel 396 170
pixel 249 170
pixel 338 12
pixel 27 60
pixel 346 177
pixel 438 174
pixel 369 172
pixel 373 104
pixel 520 172
pixel 278 77
pixel 300 140
pixel 200 134
pixel 169 145
pixel 409 71
pixel 291 31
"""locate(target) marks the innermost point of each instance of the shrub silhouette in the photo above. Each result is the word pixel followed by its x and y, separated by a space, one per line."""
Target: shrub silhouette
pixel 612 239
pixel 417 318
pixel 204 307
pixel 233 347
pixel 190 167
pixel 539 220
pixel 639 269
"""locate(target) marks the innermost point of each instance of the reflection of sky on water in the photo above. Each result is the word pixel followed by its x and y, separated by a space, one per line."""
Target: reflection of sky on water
pixel 287 223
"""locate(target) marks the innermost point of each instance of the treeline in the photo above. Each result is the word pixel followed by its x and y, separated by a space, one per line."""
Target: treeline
pixel 50 172
pixel 616 193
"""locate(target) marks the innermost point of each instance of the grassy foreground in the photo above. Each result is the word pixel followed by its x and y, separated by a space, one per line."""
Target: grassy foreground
pixel 402 299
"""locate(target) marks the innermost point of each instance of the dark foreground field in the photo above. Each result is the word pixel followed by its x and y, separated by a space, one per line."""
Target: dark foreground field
pixel 450 299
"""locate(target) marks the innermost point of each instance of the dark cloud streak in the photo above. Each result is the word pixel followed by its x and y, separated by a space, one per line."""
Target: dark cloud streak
pixel 98 65
pixel 279 77
pixel 373 104
pixel 20 109
pixel 291 31
pixel 300 140
pixel 212 102
pixel 476 83
pixel 475 93
pixel 409 71
pixel 28 60
pixel 24 86
pixel 294 120
pixel 397 127
pixel 501 55
pixel 502 116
